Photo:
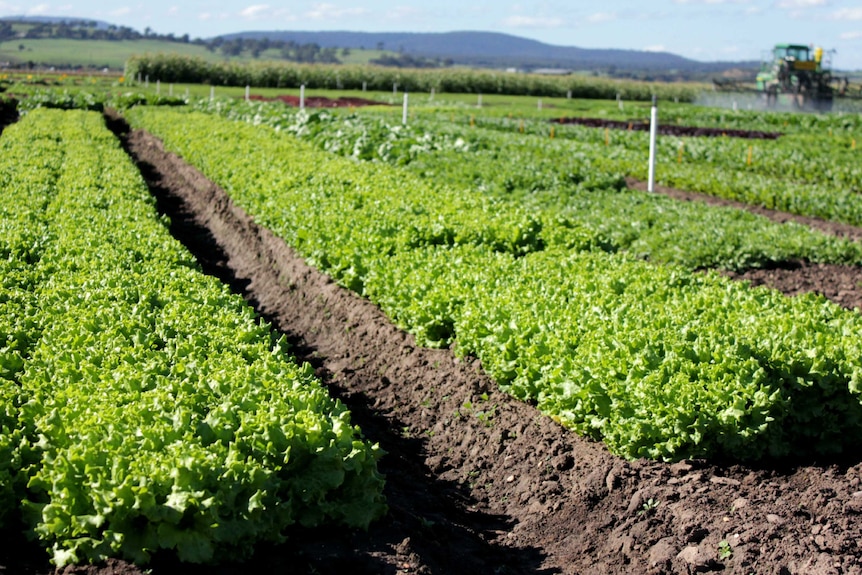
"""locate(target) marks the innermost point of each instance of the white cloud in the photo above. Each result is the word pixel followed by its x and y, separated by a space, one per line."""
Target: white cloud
pixel 39 10
pixel 600 17
pixel 120 11
pixel 327 11
pixel 655 48
pixel 406 13
pixel 255 11
pixel 711 2
pixel 532 22
pixel 851 35
pixel 798 4
pixel 847 14
pixel 173 10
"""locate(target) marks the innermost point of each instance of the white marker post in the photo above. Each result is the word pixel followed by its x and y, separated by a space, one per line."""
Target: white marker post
pixel 364 86
pixel 212 93
pixel 394 89
pixel 404 110
pixel 479 103
pixel 247 92
pixel 302 97
pixel 432 95
pixel 158 87
pixel 653 132
pixel 540 104
pixel 170 89
pixel 620 101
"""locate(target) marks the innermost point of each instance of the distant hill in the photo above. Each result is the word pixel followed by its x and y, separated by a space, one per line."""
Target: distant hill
pixel 498 50
pixel 34 43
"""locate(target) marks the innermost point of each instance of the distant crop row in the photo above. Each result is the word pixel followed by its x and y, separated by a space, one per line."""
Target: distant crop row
pixel 809 174
pixel 175 68
pixel 143 407
pixel 568 179
pixel 656 361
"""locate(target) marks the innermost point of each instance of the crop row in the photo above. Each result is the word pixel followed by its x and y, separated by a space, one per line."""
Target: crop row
pixel 183 69
pixel 143 407
pixel 657 361
pixel 808 175
pixel 670 113
pixel 564 179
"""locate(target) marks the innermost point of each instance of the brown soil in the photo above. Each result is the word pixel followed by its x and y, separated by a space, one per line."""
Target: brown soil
pixel 321 101
pixel 507 492
pixel 8 112
pixel 669 129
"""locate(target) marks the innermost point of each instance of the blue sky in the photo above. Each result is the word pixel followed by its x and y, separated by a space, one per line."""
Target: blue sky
pixel 700 29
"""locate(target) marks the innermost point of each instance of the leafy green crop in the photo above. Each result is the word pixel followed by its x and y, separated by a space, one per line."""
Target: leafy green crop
pixel 813 172
pixel 143 407
pixel 563 180
pixel 657 361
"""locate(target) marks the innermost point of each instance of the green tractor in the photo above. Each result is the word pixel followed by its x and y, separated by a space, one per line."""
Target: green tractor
pixel 796 76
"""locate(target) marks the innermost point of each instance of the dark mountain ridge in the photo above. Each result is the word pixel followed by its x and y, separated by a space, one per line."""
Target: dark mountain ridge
pixel 495 49
pixel 465 48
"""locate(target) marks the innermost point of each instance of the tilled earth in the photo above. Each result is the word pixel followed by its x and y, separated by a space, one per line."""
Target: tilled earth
pixel 669 129
pixel 321 101
pixel 476 481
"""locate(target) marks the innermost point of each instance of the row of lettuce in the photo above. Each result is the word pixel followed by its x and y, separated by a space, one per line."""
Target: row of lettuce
pixel 811 173
pixel 656 361
pixel 670 113
pixel 813 170
pixel 29 98
pixel 568 180
pixel 143 407
pixel 823 157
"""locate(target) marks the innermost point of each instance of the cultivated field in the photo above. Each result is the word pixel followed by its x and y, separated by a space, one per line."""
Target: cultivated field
pixel 561 369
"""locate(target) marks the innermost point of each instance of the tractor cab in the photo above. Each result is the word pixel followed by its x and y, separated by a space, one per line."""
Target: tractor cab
pixel 797 57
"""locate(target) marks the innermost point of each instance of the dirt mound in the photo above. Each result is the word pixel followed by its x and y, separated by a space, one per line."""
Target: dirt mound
pixel 669 130
pixel 321 101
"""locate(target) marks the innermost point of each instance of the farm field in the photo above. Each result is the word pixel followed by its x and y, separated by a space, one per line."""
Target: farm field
pixel 470 468
pixel 98 54
pixel 543 173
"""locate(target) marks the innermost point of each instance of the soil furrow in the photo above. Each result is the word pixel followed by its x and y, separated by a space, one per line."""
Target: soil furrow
pixel 669 129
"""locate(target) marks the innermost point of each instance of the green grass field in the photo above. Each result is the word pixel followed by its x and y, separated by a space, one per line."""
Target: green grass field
pixel 113 54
